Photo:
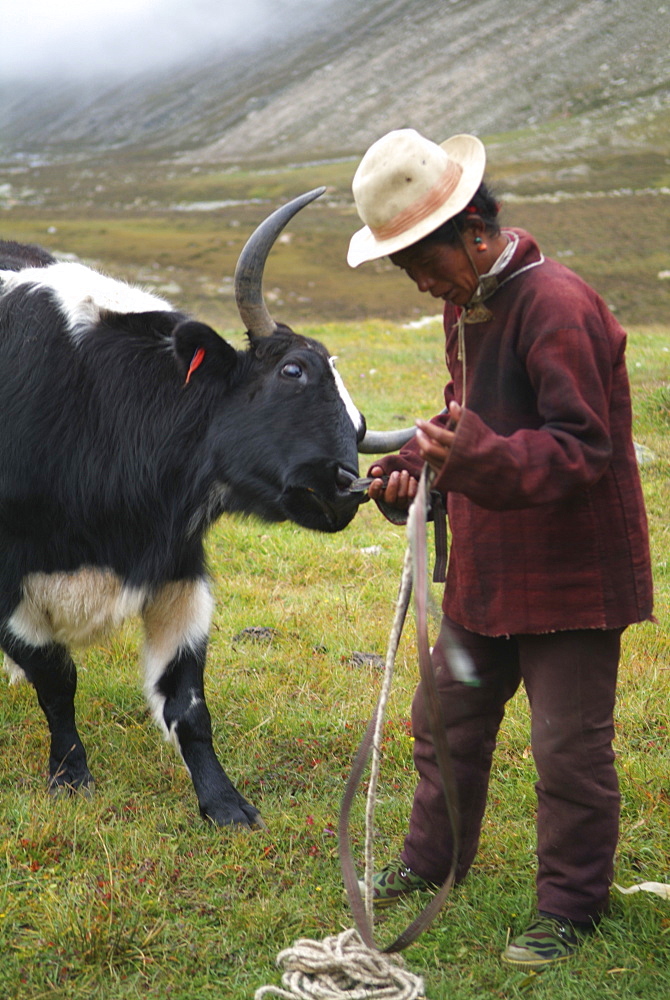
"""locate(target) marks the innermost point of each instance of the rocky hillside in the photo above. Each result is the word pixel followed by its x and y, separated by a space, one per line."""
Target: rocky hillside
pixel 361 68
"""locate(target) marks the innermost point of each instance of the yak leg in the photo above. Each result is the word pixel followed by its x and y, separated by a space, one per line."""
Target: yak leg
pixel 51 671
pixel 177 624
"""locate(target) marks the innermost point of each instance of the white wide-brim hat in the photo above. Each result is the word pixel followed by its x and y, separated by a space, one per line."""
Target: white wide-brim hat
pixel 406 186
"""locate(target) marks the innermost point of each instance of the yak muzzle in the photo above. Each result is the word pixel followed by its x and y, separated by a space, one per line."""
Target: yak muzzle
pixel 329 505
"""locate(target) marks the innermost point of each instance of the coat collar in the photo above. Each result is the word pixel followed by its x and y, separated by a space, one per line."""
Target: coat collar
pixel 520 254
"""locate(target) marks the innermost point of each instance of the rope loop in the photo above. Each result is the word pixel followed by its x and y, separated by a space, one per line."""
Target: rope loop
pixel 350 966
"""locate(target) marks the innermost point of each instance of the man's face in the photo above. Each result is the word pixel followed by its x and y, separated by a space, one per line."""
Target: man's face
pixel 445 271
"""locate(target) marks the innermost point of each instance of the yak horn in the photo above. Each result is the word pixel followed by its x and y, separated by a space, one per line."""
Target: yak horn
pixel 383 442
pixel 251 263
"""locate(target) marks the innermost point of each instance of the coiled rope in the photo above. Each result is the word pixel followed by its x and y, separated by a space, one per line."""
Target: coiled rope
pixel 350 965
pixel 342 967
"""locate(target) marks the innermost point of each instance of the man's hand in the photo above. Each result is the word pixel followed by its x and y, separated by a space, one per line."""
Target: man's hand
pixel 400 489
pixel 434 446
pixel 435 442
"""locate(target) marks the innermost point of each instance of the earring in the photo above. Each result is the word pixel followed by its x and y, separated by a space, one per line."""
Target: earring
pixel 479 243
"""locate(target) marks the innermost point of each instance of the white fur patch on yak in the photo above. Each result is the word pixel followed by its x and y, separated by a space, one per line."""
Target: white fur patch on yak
pixel 16 675
pixel 351 408
pixel 178 617
pixel 74 609
pixel 81 294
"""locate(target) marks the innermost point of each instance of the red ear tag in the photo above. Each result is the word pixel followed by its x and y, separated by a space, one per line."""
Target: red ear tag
pixel 196 361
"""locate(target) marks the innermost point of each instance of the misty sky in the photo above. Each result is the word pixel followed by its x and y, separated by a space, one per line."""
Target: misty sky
pixel 83 37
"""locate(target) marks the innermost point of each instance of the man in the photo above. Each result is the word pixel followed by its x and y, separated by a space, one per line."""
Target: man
pixel 549 557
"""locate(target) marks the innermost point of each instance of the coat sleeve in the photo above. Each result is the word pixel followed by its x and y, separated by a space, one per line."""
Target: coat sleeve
pixel 571 372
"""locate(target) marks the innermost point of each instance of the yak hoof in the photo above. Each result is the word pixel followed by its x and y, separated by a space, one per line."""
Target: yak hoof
pixel 255 822
pixel 242 817
pixel 58 790
pixel 258 823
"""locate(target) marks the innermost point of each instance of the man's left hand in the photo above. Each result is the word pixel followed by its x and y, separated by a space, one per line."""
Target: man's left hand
pixel 435 442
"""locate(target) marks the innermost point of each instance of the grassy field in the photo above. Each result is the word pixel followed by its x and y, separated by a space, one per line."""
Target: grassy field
pixel 130 895
pixel 180 230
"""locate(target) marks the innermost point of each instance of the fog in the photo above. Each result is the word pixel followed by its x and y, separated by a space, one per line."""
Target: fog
pixel 121 38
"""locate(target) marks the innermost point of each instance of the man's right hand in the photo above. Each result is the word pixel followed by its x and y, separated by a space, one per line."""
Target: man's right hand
pixel 400 489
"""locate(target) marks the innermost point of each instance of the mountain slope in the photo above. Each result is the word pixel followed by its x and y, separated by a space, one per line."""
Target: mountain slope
pixel 360 69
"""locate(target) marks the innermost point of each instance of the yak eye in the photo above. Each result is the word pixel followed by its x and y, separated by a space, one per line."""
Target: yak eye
pixel 292 370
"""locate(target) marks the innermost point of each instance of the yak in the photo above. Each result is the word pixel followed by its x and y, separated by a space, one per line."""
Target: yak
pixel 128 428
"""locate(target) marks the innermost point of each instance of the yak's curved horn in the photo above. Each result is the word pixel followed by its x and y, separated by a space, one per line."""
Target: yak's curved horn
pixel 383 442
pixel 251 263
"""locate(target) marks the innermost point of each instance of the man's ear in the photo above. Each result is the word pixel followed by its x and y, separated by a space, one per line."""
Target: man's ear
pixel 476 225
pixel 201 352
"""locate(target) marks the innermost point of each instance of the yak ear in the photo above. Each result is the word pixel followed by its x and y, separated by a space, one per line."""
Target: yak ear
pixel 199 351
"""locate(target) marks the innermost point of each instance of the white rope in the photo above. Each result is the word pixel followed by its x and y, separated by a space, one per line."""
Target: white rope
pixel 342 967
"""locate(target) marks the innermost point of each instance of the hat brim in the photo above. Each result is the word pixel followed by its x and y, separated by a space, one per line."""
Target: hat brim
pixel 466 150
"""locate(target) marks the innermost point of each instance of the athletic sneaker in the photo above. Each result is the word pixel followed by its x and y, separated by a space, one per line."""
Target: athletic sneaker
pixel 394 881
pixel 545 941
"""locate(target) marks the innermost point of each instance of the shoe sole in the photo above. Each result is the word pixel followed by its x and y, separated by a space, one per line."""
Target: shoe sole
pixel 535 964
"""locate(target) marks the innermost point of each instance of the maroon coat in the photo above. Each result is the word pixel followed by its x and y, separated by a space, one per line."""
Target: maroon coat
pixel 543 493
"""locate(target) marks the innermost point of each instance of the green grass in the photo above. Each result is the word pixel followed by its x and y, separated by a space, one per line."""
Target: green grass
pixel 131 895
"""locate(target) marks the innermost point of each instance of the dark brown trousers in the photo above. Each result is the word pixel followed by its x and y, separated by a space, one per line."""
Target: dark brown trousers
pixel 570 679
